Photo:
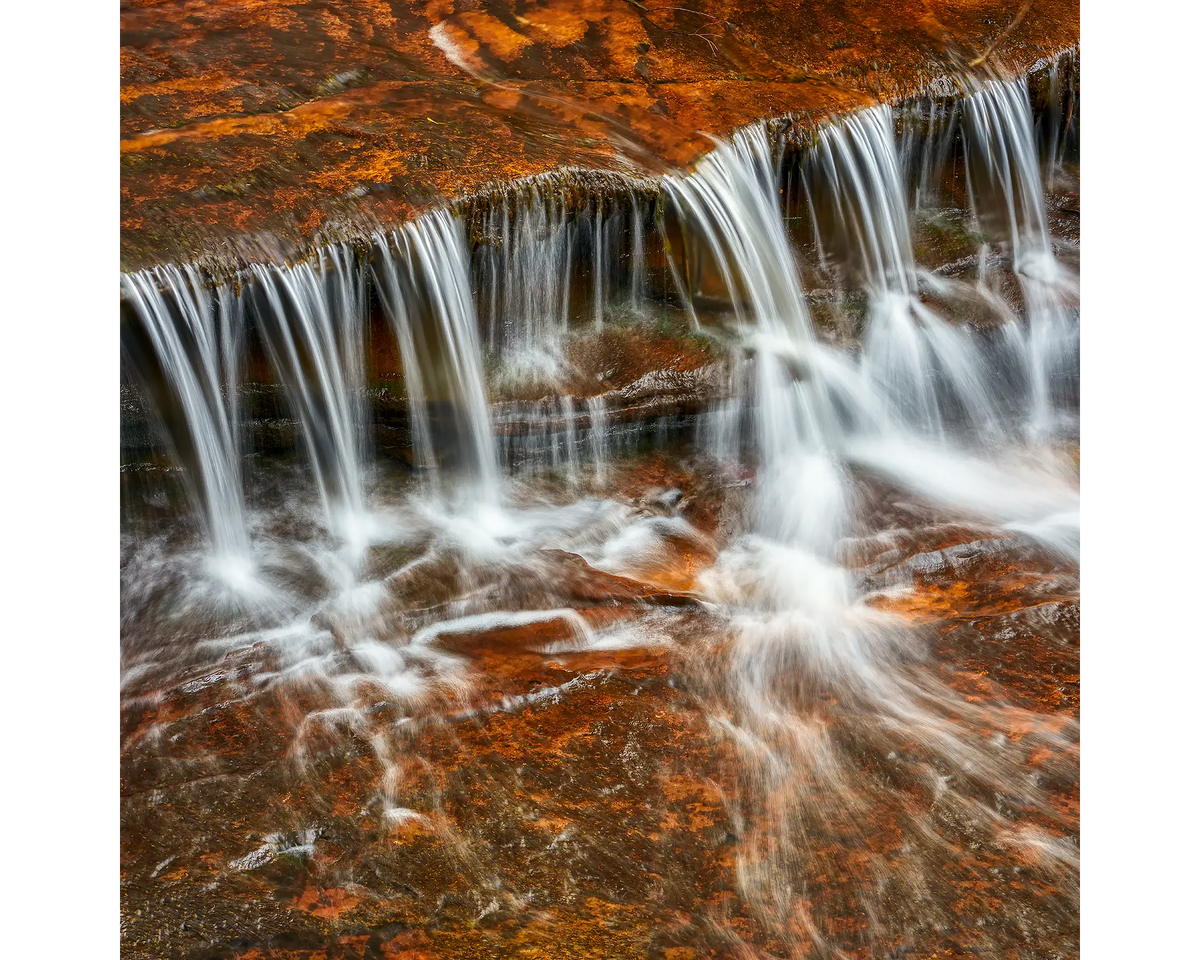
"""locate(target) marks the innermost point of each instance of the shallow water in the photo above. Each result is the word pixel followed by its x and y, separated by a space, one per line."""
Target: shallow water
pixel 795 674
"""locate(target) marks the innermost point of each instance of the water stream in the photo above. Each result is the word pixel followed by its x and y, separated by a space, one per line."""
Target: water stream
pixel 732 491
pixel 194 339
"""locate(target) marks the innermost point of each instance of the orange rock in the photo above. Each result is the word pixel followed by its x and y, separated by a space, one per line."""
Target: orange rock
pixel 264 116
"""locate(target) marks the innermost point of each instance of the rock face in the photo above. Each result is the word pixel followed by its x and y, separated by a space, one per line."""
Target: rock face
pixel 252 125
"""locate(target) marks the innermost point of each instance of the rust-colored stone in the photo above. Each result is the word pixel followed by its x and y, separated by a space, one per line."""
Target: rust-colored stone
pixel 585 803
pixel 247 123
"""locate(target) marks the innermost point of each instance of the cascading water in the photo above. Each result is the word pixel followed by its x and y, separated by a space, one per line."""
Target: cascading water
pixel 534 260
pixel 1002 155
pixel 723 641
pixel 312 318
pixel 637 256
pixel 545 277
pixel 434 250
pixel 913 356
pixel 731 202
pixel 196 346
pixel 599 266
pixel 393 293
pixel 598 438
pixel 926 392
pixel 798 622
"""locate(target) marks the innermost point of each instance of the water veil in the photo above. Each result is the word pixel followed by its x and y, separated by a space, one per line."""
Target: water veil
pixel 810 649
pixel 188 354
pixel 1009 200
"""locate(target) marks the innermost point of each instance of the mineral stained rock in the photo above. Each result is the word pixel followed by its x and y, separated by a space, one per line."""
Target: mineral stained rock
pixel 268 123
pixel 574 800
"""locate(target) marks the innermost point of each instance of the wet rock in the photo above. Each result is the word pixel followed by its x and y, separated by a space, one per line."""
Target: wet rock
pixel 667 501
pixel 558 800
pixel 214 157
pixel 507 639
pixel 323 620
pixel 581 581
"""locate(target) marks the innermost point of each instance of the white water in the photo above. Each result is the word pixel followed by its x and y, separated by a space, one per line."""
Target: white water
pixel 806 413
pixel 394 296
pixel 434 249
pixel 637 256
pixel 598 438
pixel 1002 155
pixel 927 368
pixel 197 346
pixel 599 266
pixel 731 201
pixel 917 406
pixel 908 408
pixel 313 321
pixel 530 268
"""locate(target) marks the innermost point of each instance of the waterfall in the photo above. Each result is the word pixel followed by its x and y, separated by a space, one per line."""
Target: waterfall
pixel 195 336
pixel 731 201
pixel 1006 178
pixel 909 351
pixel 797 622
pixel 599 266
pixel 434 251
pixel 598 438
pixel 840 618
pixel 801 409
pixel 393 293
pixel 312 320
pixel 570 439
pixel 637 273
pixel 535 276
pixel 907 407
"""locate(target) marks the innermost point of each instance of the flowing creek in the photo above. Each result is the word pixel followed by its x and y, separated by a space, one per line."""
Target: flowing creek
pixel 688 571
